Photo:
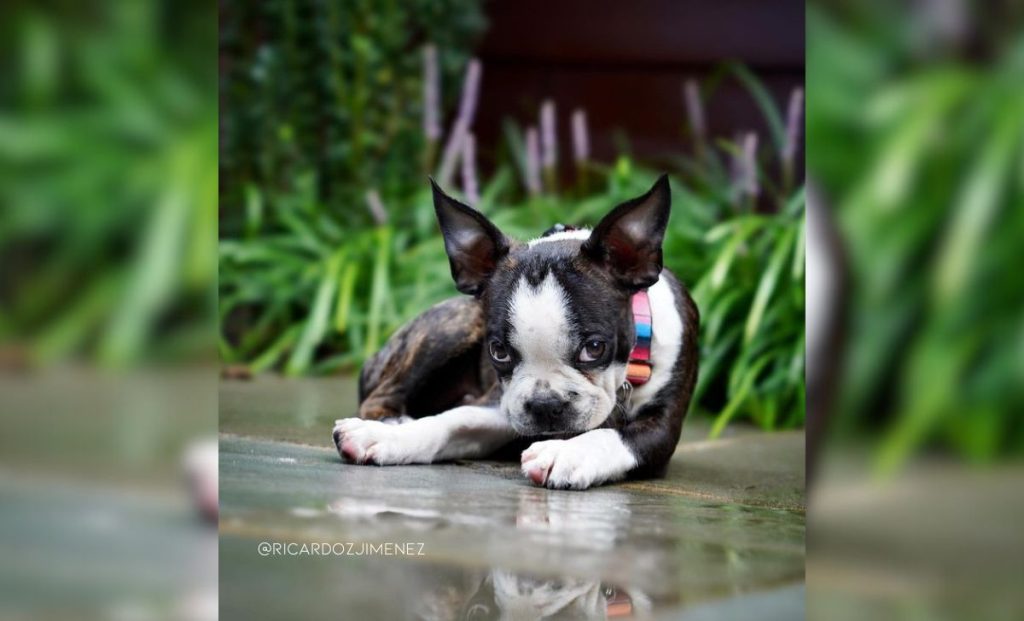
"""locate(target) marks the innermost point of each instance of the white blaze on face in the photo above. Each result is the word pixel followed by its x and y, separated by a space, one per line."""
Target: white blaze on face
pixel 541 328
pixel 580 234
pixel 542 335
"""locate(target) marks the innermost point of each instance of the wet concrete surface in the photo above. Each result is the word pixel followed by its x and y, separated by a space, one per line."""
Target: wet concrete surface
pixel 722 535
pixel 89 550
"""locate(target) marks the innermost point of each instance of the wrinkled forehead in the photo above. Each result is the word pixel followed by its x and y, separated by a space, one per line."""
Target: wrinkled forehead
pixel 551 297
pixel 540 324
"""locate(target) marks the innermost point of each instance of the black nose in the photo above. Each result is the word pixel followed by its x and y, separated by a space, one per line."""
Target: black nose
pixel 546 407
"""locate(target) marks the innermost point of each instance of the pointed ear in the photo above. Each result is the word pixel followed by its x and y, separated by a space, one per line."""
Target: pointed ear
pixel 627 241
pixel 473 244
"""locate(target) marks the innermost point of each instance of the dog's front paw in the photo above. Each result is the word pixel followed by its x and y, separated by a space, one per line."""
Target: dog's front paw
pixel 593 458
pixel 362 441
pixel 561 464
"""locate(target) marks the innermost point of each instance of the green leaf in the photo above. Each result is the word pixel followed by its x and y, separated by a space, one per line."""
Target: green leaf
pixel 272 354
pixel 318 321
pixel 345 292
pixel 720 269
pixel 767 284
pixel 738 398
pixel 379 290
pixel 800 251
pixel 253 210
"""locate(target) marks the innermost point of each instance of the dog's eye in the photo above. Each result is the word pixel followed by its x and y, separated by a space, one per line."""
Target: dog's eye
pixel 478 611
pixel 592 350
pixel 500 353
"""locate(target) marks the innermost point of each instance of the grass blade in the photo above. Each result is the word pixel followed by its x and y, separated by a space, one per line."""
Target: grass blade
pixel 318 322
pixel 767 285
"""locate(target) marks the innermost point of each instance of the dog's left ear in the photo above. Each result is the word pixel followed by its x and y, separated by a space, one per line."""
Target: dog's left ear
pixel 627 241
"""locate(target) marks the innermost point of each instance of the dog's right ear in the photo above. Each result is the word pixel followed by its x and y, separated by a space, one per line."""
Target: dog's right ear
pixel 473 244
pixel 628 240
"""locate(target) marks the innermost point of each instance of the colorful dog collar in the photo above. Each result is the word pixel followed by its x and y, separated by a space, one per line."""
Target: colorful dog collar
pixel 638 371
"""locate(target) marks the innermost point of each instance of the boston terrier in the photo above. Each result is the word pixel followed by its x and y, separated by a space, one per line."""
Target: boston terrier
pixel 577 346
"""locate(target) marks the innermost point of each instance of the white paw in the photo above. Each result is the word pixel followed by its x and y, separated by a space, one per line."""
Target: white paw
pixel 590 459
pixel 558 464
pixel 367 441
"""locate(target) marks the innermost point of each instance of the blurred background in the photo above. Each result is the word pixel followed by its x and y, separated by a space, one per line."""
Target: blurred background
pixel 915 142
pixel 109 317
pixel 332 117
pixel 108 493
pixel 334 114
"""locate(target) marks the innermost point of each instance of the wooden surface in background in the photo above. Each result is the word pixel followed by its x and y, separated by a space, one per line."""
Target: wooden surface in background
pixel 625 63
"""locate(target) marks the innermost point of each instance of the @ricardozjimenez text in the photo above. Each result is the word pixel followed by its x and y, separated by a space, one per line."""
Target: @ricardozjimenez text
pixel 340 548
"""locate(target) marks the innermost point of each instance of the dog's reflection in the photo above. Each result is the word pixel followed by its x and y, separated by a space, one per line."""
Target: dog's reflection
pixel 519 597
pixel 500 594
pixel 592 521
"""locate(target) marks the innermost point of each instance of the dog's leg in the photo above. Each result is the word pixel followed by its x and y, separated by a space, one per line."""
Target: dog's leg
pixel 589 459
pixel 429 365
pixel 641 448
pixel 463 432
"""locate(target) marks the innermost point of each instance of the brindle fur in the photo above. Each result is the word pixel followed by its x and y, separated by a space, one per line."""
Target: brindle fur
pixel 432 364
pixel 436 362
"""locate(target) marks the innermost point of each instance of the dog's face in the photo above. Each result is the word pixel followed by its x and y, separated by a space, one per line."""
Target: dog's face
pixel 559 336
pixel 559 324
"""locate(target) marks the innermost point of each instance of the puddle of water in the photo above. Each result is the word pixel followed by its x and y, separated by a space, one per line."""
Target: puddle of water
pixel 86 550
pixel 492 546
pixel 361 587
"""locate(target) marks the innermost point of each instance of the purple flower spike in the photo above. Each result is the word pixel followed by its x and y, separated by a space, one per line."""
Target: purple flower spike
pixel 580 137
pixel 470 187
pixel 467 110
pixel 376 206
pixel 431 95
pixel 548 143
pixel 794 122
pixel 532 162
pixel 750 182
pixel 695 110
pixel 743 170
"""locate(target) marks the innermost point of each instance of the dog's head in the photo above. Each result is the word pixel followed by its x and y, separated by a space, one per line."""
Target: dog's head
pixel 559 321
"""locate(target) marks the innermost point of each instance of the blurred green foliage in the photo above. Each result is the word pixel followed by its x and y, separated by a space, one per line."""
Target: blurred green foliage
pixel 308 285
pixel 329 95
pixel 928 195
pixel 325 300
pixel 108 181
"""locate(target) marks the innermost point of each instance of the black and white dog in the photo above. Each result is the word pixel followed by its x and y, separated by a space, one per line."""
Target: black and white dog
pixel 577 346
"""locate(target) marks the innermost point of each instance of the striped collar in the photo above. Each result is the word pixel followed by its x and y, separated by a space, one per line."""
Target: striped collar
pixel 638 371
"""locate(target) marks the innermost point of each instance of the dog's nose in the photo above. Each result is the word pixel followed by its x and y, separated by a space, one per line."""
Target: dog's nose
pixel 545 407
